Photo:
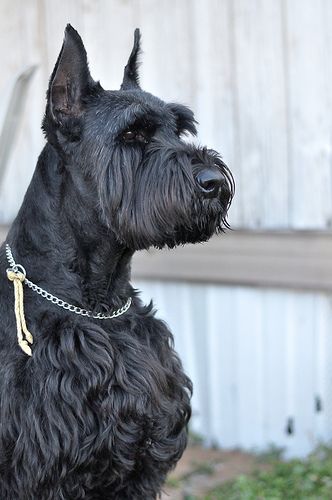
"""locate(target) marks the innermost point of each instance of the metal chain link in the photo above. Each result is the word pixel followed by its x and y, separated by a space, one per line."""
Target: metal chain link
pixel 61 303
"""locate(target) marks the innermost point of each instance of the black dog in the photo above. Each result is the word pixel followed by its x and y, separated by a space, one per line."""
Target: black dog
pixel 95 404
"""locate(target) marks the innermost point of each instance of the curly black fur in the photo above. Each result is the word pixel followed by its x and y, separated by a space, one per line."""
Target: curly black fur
pixel 100 410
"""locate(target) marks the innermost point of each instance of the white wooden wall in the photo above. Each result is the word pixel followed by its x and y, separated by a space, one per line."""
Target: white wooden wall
pixel 257 358
pixel 258 74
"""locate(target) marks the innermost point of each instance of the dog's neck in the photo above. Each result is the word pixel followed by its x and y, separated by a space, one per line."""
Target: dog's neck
pixel 59 239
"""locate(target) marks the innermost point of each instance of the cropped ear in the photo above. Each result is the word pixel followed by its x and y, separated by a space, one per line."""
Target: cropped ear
pixel 130 77
pixel 70 80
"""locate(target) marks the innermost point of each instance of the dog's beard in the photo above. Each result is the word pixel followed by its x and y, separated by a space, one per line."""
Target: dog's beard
pixel 153 200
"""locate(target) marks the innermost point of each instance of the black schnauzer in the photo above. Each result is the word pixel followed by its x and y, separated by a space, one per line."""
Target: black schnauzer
pixel 94 401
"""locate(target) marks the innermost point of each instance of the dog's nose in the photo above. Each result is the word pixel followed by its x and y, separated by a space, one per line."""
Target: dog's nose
pixel 210 181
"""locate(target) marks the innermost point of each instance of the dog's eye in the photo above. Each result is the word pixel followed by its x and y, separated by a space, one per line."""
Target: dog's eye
pixel 139 135
pixel 129 135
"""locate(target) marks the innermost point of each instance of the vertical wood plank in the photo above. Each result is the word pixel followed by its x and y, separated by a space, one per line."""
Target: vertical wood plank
pixel 274 374
pixel 309 111
pixel 249 367
pixel 300 373
pixel 221 342
pixel 168 58
pixel 323 369
pixel 215 85
pixel 19 31
pixel 261 105
pixel 109 30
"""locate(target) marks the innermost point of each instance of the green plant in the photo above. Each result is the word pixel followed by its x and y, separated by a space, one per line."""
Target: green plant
pixel 270 455
pixel 309 479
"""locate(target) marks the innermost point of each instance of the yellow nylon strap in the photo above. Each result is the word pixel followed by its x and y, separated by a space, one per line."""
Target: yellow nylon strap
pixel 18 278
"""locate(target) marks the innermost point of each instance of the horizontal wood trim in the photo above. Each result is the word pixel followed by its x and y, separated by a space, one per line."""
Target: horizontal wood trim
pixel 296 259
pixel 300 260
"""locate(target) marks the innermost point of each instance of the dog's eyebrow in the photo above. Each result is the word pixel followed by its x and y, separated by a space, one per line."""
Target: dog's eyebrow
pixel 184 117
pixel 135 114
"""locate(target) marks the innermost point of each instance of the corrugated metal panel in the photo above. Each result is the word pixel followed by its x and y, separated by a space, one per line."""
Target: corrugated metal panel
pixel 259 360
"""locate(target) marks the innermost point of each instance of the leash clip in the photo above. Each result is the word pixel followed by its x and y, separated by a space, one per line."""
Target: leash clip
pixel 18 269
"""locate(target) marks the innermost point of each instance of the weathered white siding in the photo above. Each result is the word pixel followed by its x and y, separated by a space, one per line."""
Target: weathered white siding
pixel 257 73
pixel 259 359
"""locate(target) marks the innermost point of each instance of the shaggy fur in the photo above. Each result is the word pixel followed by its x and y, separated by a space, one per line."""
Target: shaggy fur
pixel 100 410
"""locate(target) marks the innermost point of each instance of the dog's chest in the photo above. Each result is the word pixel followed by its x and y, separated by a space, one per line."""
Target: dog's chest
pixel 109 381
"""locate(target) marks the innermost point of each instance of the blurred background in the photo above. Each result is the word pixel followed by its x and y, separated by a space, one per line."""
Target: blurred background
pixel 250 310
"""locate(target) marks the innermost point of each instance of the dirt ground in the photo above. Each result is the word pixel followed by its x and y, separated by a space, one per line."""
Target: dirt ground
pixel 201 469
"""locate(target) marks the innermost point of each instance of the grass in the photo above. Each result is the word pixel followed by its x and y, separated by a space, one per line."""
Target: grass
pixel 201 468
pixel 309 479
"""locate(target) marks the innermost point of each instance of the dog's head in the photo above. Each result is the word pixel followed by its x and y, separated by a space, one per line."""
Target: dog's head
pixel 152 188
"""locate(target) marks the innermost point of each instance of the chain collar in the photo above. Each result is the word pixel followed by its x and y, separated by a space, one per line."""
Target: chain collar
pixel 58 302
